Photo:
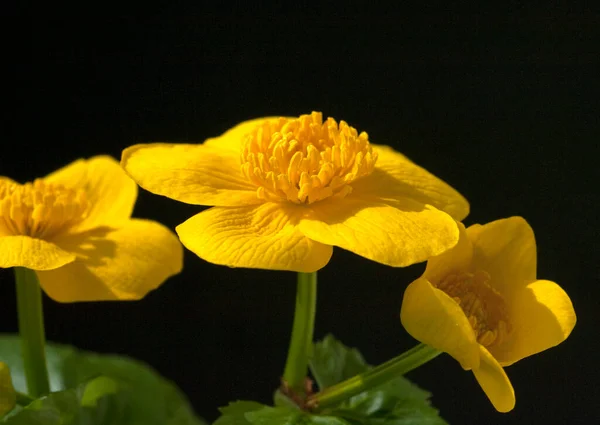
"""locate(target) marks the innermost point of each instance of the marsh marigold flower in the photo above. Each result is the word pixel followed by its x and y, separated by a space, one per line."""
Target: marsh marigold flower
pixel 285 190
pixel 74 228
pixel 481 303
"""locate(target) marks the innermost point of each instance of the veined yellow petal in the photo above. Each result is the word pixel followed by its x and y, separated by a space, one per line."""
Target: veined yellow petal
pixel 494 382
pixel 35 254
pixel 456 260
pixel 263 236
pixel 115 264
pixel 542 316
pixel 8 398
pixel 435 319
pixel 195 174
pixel 109 190
pixel 395 176
pixel 506 250
pixel 398 233
pixel 232 138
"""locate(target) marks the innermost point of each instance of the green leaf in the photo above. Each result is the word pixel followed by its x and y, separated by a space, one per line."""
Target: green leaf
pixel 397 402
pixel 333 362
pixel 151 399
pixel 8 398
pixel 235 412
pixel 252 413
pixel 98 402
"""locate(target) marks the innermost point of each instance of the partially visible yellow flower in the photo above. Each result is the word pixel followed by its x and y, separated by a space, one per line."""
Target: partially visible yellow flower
pixel 285 190
pixel 481 303
pixel 74 227
pixel 8 398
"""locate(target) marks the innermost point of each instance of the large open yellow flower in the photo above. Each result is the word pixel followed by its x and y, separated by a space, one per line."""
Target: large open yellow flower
pixel 285 190
pixel 74 227
pixel 481 303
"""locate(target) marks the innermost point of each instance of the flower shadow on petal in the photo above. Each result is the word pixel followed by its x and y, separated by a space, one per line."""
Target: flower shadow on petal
pixel 91 246
pixel 382 186
pixel 541 317
pixel 335 210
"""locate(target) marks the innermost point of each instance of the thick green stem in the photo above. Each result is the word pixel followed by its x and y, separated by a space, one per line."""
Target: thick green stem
pixel 301 343
pixel 398 366
pixel 31 329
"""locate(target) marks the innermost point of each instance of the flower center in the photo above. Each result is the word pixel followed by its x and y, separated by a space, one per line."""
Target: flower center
pixel 483 305
pixel 305 160
pixel 39 209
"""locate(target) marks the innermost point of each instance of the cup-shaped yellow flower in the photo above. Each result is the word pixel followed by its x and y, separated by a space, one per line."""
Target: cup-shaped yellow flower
pixel 74 228
pixel 481 303
pixel 285 190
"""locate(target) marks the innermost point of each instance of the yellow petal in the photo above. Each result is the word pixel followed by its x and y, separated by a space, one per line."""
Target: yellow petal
pixel 195 174
pixel 395 176
pixel 263 236
pixel 8 398
pixel 506 250
pixel 435 319
pixel 542 316
pixel 398 233
pixel 456 260
pixel 109 190
pixel 494 382
pixel 35 254
pixel 232 138
pixel 115 264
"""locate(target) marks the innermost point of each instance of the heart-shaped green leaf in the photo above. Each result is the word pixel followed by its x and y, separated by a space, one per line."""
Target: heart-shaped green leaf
pixel 150 398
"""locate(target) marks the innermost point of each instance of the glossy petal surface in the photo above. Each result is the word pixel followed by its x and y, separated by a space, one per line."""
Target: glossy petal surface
pixel 194 174
pixel 542 317
pixel 115 264
pixel 111 193
pixel 395 233
pixel 435 319
pixel 458 259
pixel 264 236
pixel 396 177
pixel 494 382
pixel 35 254
pixel 506 250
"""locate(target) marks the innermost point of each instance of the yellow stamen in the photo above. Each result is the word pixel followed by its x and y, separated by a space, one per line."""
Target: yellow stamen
pixel 483 305
pixel 40 209
pixel 305 160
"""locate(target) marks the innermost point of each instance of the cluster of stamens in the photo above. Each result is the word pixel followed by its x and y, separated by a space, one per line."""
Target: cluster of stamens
pixel 39 209
pixel 483 305
pixel 305 160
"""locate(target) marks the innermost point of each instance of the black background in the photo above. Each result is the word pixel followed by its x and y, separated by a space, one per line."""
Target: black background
pixel 504 108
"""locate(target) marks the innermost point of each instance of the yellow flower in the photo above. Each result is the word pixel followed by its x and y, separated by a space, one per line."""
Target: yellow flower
pixel 74 228
pixel 285 190
pixel 481 303
pixel 8 398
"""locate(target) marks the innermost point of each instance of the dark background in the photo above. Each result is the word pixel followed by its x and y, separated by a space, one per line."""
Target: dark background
pixel 504 108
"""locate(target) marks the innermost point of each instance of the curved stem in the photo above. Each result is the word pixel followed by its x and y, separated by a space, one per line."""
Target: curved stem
pixel 31 329
pixel 301 343
pixel 391 369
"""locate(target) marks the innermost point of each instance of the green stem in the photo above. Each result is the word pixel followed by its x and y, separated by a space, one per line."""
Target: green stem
pixel 31 329
pixel 398 366
pixel 301 343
